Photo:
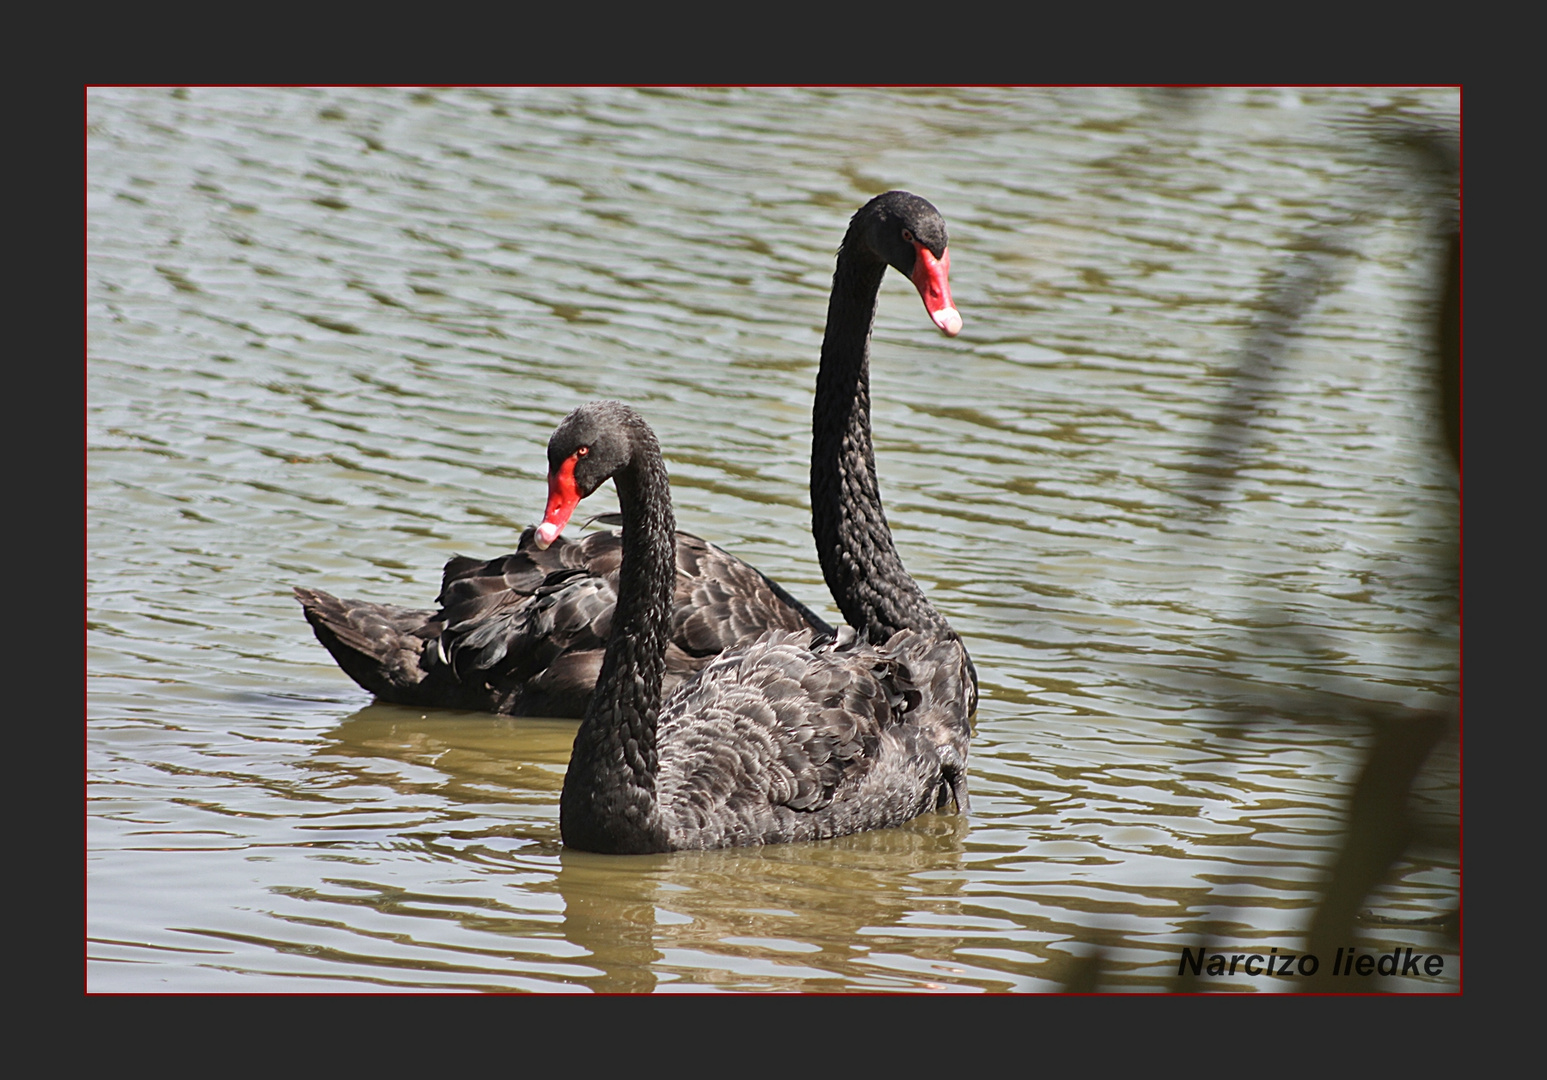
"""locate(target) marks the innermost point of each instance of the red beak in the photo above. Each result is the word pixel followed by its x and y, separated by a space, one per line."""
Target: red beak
pixel 563 497
pixel 932 278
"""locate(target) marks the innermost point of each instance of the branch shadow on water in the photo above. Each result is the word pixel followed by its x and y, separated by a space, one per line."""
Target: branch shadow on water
pixel 1381 822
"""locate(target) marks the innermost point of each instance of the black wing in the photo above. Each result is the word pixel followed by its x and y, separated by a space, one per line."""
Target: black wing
pixel 791 740
pixel 523 634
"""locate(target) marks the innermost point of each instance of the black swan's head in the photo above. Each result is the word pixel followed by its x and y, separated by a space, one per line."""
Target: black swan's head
pixel 908 234
pixel 589 446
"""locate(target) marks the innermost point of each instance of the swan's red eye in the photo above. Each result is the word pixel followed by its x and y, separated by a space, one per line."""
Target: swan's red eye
pixel 907 236
pixel 583 451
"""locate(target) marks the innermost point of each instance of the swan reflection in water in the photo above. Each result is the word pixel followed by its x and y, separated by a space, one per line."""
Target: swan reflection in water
pixel 478 794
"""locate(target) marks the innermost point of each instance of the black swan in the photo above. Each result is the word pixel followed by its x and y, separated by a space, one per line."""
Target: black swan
pixel 523 634
pixel 797 736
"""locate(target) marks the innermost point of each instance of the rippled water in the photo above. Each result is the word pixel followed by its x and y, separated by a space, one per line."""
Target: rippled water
pixel 330 331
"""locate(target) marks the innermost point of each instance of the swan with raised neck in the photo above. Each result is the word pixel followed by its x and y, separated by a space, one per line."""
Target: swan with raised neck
pixel 854 543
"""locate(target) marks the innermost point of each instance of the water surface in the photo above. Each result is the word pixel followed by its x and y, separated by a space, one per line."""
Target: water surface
pixel 331 330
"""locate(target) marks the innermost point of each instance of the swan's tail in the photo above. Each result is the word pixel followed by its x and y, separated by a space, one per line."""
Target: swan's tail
pixel 379 646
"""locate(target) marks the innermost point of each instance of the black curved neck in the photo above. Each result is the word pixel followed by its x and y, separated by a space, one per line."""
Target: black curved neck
pixel 609 798
pixel 854 544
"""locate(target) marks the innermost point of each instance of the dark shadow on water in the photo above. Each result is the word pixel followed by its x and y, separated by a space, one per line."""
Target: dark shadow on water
pixel 1384 823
